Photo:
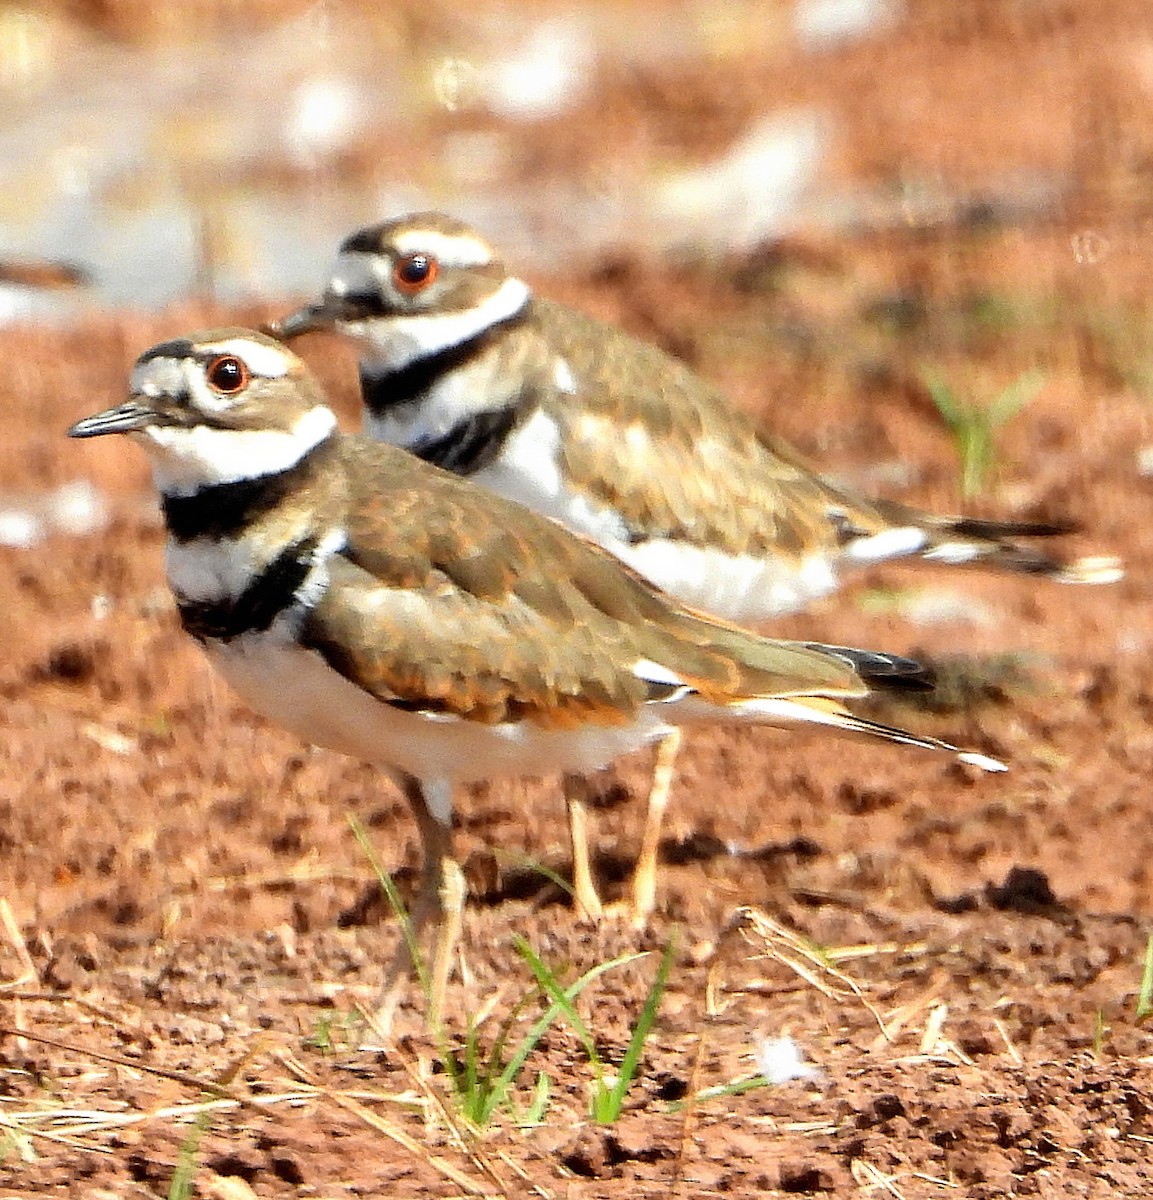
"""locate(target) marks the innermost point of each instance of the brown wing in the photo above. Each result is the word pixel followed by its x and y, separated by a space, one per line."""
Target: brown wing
pixel 451 599
pixel 440 649
pixel 757 496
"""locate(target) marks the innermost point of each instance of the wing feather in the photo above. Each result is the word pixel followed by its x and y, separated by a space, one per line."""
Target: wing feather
pixel 481 609
pixel 759 496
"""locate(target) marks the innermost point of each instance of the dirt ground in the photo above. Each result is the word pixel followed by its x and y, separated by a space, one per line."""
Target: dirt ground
pixel 190 924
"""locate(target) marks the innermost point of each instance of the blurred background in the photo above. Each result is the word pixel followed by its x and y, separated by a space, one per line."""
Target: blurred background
pixel 943 205
pixel 153 149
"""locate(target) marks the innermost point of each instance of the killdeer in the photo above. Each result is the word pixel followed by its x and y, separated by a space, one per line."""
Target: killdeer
pixel 462 365
pixel 374 604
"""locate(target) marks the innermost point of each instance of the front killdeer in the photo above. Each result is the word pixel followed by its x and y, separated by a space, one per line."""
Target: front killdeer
pixel 462 365
pixel 374 604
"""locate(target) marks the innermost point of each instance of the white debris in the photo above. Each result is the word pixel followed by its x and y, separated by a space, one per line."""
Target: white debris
pixel 1145 460
pixel 543 75
pixel 20 528
pixel 122 157
pixel 75 508
pixel 455 83
pixel 108 739
pixel 780 1060
pixel 940 607
pixel 30 304
pixel 323 117
pixel 751 191
pixel 821 24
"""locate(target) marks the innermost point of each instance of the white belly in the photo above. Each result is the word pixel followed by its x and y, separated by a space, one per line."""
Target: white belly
pixel 738 587
pixel 298 690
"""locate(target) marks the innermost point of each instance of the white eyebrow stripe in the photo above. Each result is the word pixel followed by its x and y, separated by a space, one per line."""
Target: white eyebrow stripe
pixel 270 362
pixel 449 249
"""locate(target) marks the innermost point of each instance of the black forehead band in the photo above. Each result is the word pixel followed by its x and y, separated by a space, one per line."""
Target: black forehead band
pixel 183 348
pixel 366 241
pixel 177 348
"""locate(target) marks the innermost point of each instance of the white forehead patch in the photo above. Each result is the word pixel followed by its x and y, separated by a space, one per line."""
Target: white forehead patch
pixel 449 249
pixel 357 273
pixel 271 362
pixel 158 377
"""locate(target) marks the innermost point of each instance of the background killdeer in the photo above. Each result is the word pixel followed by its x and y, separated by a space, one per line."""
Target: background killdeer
pixel 374 604
pixel 462 365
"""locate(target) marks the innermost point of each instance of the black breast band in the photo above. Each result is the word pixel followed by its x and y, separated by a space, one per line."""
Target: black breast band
pixel 470 444
pixel 254 610
pixel 382 391
pixel 225 510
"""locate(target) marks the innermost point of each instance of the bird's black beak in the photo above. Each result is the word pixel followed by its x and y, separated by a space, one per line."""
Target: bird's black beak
pixel 124 418
pixel 309 319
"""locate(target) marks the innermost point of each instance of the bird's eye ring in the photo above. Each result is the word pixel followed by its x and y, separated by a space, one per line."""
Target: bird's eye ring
pixel 227 374
pixel 414 272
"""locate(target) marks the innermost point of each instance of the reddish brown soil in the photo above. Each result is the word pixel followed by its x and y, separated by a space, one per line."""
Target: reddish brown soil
pixel 196 909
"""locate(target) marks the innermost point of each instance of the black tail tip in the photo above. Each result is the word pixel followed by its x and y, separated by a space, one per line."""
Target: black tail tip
pixel 888 672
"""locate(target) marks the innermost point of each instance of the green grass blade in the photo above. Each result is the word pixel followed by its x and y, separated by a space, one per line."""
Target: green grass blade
pixel 944 398
pixel 738 1087
pixel 493 1088
pixel 974 425
pixel 563 998
pixel 502 1085
pixel 525 863
pixel 561 1002
pixel 975 444
pixel 539 1106
pixel 496 1086
pixel 1100 1033
pixel 321 1037
pixel 396 904
pixel 467 1080
pixel 188 1159
pixel 1145 992
pixel 628 1068
pixel 497 1089
pixel 1023 390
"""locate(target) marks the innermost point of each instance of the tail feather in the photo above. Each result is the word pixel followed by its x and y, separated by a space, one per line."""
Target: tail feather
pixel 805 710
pixel 884 672
pixel 985 530
pixel 1025 560
pixel 970 541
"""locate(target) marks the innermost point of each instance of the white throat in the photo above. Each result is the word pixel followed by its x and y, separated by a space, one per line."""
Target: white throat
pixel 394 342
pixel 184 460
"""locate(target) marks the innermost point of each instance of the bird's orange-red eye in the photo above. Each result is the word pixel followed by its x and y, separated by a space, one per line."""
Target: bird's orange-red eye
pixel 414 272
pixel 227 375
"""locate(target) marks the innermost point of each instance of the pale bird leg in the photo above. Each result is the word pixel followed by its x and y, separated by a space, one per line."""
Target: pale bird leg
pixel 436 847
pixel 645 875
pixel 452 894
pixel 586 902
